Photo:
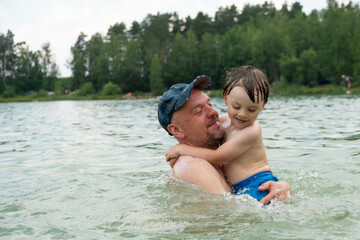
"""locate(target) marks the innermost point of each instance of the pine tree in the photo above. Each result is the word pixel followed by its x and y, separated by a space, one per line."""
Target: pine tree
pixel 156 81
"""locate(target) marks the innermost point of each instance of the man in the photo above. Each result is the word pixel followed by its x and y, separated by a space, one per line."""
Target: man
pixel 186 113
pixel 347 80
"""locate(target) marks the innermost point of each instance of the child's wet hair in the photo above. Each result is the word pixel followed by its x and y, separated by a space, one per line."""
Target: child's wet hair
pixel 252 79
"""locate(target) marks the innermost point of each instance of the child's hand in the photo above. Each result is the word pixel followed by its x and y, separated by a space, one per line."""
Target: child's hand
pixel 172 154
pixel 172 162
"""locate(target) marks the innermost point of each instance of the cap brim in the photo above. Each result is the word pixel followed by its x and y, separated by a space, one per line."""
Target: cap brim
pixel 201 82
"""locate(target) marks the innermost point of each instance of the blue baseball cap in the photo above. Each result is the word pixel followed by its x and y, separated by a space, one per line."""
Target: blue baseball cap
pixel 176 97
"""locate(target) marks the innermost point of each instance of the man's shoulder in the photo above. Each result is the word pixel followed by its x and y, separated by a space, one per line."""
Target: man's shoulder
pixel 183 165
pixel 188 166
pixel 200 172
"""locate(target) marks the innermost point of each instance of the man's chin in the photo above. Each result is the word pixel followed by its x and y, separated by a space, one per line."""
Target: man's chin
pixel 216 131
pixel 214 139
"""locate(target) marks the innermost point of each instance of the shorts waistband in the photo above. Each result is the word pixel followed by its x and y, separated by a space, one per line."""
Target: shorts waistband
pixel 246 182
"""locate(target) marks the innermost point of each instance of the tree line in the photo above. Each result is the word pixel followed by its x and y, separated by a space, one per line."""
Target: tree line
pixel 23 70
pixel 288 45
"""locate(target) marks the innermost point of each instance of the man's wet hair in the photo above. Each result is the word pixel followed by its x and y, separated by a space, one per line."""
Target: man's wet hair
pixel 252 79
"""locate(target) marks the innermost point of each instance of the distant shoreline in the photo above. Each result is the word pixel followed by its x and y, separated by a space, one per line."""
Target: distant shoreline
pixel 274 91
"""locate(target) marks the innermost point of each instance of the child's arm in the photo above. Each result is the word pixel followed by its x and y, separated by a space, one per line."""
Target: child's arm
pixel 238 144
pixel 178 150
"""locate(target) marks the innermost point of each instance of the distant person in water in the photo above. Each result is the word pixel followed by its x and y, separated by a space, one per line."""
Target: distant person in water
pixel 243 154
pixel 195 123
pixel 347 80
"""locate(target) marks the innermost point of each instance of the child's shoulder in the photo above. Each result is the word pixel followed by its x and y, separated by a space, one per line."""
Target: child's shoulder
pixel 224 116
pixel 224 120
pixel 254 130
pixel 250 132
pixel 254 127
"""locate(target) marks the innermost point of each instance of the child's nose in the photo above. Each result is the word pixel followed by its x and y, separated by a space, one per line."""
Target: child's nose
pixel 242 113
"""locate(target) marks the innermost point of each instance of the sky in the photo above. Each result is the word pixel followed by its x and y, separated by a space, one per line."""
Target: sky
pixel 60 22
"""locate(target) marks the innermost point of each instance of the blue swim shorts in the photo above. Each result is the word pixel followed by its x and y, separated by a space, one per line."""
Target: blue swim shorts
pixel 250 185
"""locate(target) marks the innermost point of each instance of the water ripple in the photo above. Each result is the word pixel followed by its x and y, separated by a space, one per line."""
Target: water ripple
pixel 96 170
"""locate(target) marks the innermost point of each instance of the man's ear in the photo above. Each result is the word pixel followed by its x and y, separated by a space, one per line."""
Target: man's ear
pixel 175 130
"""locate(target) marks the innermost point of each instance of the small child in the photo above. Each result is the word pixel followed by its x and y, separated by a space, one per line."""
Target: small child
pixel 243 153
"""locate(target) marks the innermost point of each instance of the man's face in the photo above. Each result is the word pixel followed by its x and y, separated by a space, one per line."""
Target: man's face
pixel 199 121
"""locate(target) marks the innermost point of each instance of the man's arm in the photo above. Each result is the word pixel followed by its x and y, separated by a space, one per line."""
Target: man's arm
pixel 200 172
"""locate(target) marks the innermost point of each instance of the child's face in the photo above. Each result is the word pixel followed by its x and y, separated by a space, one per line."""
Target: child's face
pixel 241 110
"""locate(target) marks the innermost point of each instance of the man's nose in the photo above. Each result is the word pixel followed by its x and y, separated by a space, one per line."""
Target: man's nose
pixel 211 111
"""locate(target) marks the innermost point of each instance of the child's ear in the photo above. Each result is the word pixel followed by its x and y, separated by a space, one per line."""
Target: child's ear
pixel 175 130
pixel 264 104
pixel 225 99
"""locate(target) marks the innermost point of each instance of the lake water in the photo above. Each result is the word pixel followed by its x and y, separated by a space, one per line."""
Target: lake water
pixel 96 170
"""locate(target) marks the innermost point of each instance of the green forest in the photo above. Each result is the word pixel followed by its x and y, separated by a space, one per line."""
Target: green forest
pixel 292 48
